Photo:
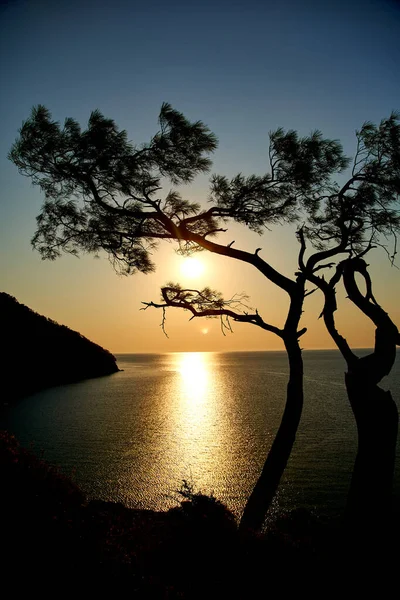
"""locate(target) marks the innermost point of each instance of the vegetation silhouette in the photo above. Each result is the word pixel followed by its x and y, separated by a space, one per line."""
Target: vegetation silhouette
pixel 54 353
pixel 52 535
pixel 376 414
pixel 357 218
pixel 102 194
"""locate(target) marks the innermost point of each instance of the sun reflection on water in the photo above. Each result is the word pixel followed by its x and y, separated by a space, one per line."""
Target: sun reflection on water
pixel 195 376
pixel 194 424
pixel 189 430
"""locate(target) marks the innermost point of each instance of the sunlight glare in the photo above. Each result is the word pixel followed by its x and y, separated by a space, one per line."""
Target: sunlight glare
pixel 192 267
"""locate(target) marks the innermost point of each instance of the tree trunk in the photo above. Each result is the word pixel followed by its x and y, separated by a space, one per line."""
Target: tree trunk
pixel 370 496
pixel 376 415
pixel 264 491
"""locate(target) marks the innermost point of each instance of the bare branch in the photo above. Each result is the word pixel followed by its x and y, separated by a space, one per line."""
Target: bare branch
pixel 310 292
pixel 254 259
pixel 324 266
pixel 207 303
pixel 164 316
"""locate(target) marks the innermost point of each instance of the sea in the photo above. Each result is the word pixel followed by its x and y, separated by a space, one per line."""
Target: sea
pixel 201 419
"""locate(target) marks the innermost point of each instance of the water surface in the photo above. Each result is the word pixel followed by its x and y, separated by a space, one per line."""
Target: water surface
pixel 208 418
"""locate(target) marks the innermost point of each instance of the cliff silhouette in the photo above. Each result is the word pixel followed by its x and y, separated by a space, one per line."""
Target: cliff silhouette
pixel 39 353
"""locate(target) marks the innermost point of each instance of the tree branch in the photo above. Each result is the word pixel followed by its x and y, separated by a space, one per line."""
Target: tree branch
pixel 195 300
pixel 254 259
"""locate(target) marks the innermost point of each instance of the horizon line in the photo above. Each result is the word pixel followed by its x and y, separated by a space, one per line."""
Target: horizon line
pixel 238 351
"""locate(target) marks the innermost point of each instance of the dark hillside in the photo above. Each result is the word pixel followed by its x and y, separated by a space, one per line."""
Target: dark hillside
pixel 38 353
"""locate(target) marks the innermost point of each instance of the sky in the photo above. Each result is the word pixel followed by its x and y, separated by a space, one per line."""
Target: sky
pixel 243 68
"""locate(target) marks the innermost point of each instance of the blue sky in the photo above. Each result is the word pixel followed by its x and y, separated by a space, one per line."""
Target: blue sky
pixel 244 68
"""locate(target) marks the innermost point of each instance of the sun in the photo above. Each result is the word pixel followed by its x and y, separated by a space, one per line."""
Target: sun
pixel 192 267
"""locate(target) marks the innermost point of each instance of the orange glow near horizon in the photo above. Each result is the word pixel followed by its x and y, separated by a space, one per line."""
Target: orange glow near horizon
pixel 87 296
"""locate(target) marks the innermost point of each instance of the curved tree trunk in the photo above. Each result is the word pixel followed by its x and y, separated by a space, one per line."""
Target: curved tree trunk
pixel 370 495
pixel 264 491
pixel 376 415
pixel 267 484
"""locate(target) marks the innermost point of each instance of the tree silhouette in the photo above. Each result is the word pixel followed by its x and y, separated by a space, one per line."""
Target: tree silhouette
pixel 104 193
pixel 357 217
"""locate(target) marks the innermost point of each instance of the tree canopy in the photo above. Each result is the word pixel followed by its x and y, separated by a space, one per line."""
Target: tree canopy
pixel 103 192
